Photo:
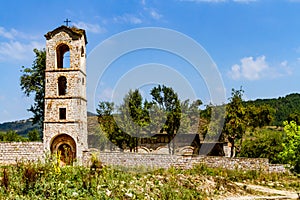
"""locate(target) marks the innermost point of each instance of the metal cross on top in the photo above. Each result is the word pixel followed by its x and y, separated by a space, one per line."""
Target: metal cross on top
pixel 67 22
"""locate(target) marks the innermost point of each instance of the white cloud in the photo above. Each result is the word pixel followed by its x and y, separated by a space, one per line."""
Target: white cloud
pixel 220 1
pixel 244 1
pixel 92 28
pixel 258 68
pixel 8 34
pixel 15 50
pixel 127 18
pixel 13 34
pixel 250 68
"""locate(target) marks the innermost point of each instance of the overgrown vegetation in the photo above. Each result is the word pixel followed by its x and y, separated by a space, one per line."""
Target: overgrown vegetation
pixel 44 181
pixel 263 143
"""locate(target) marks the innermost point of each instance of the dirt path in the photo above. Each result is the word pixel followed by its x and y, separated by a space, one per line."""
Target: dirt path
pixel 276 194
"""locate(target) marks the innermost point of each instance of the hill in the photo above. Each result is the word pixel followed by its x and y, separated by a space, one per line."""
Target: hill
pixel 22 127
pixel 284 107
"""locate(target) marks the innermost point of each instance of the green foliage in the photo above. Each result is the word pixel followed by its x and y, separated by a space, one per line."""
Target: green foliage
pixel 32 81
pixel 263 143
pixel 34 135
pixel 240 117
pixel 11 136
pixel 168 101
pixel 283 107
pixel 291 145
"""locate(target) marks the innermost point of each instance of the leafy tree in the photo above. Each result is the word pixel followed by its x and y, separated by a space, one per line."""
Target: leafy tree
pixel 107 123
pixel 34 135
pixel 168 101
pixel 33 82
pixel 11 136
pixel 240 117
pixel 291 145
pixel 235 125
pixel 190 114
pixel 133 117
pixel 263 143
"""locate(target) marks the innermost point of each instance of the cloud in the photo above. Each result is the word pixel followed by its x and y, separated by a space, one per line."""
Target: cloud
pixel 92 28
pixel 15 50
pixel 258 68
pixel 8 34
pixel 127 18
pixel 220 1
pixel 250 68
pixel 13 34
pixel 153 13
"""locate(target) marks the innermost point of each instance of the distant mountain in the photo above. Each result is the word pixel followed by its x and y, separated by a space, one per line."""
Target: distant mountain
pixel 22 127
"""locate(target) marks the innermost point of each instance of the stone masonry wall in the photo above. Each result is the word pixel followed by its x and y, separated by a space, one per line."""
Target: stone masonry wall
pixel 10 152
pixel 182 161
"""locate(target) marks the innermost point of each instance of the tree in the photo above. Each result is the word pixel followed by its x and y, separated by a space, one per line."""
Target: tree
pixel 107 123
pixel 168 101
pixel 33 82
pixel 34 135
pixel 12 136
pixel 263 143
pixel 240 117
pixel 291 145
pixel 133 117
pixel 235 124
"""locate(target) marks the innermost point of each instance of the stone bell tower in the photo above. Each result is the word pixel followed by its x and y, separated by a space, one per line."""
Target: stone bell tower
pixel 65 123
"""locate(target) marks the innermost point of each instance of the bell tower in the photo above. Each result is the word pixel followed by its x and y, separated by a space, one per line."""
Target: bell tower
pixel 65 123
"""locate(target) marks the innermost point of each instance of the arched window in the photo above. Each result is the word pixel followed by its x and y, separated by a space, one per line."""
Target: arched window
pixel 62 85
pixel 63 56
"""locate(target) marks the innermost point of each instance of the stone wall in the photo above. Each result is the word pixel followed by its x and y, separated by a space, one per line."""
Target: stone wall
pixel 182 161
pixel 10 152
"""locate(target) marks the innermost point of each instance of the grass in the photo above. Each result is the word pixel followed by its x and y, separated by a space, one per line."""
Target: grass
pixel 44 181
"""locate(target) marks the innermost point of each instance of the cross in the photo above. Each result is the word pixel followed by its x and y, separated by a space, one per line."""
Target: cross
pixel 67 21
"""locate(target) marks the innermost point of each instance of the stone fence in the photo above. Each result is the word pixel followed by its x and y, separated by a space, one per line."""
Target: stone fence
pixel 182 161
pixel 11 152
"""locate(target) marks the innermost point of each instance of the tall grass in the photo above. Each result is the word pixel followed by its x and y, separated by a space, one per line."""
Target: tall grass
pixel 44 181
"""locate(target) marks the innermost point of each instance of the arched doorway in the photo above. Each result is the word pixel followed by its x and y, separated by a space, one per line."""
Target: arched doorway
pixel 64 146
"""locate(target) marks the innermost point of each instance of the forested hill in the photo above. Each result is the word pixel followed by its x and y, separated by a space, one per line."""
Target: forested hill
pixel 285 108
pixel 22 127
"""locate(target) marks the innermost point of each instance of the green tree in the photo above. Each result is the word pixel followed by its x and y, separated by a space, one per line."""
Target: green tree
pixel 291 145
pixel 235 124
pixel 239 118
pixel 263 143
pixel 12 136
pixel 34 135
pixel 190 115
pixel 32 81
pixel 107 123
pixel 133 117
pixel 168 101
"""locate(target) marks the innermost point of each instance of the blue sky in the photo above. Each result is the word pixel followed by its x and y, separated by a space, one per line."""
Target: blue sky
pixel 254 43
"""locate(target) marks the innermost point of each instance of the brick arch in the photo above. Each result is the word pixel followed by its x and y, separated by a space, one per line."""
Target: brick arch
pixel 66 146
pixel 61 50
